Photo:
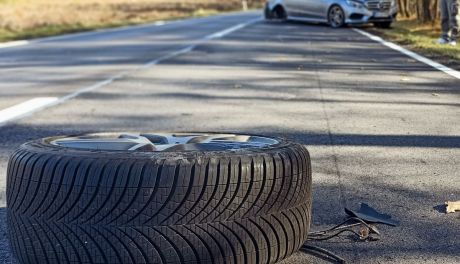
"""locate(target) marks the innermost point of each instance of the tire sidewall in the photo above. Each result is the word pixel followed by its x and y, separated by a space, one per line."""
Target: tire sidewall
pixel 261 194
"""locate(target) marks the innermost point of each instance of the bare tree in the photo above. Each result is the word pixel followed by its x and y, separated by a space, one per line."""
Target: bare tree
pixel 423 10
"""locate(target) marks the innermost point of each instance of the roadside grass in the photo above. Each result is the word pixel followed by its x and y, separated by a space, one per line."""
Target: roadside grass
pixel 422 39
pixel 25 19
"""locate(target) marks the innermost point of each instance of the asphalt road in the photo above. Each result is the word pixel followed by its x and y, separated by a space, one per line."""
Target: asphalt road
pixel 381 128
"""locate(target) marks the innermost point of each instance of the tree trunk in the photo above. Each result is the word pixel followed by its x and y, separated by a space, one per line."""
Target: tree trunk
pixel 423 10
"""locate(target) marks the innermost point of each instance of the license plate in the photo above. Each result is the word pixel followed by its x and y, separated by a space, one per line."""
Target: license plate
pixel 381 14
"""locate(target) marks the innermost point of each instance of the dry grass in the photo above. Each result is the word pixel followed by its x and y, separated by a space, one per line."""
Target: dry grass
pixel 422 38
pixel 21 19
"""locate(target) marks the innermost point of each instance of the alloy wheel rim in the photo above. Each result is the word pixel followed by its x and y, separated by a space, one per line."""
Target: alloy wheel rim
pixel 167 142
pixel 336 16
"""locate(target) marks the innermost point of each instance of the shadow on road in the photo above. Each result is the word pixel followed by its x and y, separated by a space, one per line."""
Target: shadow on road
pixel 5 253
pixel 415 236
pixel 412 238
pixel 270 89
pixel 24 133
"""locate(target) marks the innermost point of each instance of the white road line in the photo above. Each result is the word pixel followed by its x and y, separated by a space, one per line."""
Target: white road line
pixel 225 32
pixel 37 104
pixel 110 30
pixel 411 54
pixel 160 23
pixel 167 57
pixel 13 44
pixel 25 108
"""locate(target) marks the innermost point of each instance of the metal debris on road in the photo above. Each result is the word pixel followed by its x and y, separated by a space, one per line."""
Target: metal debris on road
pixel 364 233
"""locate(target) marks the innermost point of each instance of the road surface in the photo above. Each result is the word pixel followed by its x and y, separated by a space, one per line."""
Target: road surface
pixel 381 128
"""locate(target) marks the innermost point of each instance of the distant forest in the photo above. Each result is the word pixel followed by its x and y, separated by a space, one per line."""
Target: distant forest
pixel 423 10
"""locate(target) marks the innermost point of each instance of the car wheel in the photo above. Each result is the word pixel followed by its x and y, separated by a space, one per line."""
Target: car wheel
pixel 280 13
pixel 268 14
pixel 383 24
pixel 336 16
pixel 158 198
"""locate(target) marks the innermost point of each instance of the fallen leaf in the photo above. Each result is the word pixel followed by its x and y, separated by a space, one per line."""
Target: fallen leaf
pixel 363 233
pixel 451 207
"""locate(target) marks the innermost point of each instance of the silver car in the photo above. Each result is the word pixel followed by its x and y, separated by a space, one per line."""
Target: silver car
pixel 335 12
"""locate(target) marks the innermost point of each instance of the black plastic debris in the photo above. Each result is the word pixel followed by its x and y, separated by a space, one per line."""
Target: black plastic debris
pixel 364 219
pixel 369 214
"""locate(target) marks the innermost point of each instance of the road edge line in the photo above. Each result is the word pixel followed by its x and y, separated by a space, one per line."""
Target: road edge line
pixel 25 108
pixel 11 44
pixel 438 66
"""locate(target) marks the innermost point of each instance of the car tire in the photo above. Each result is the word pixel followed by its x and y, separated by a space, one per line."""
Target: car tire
pixel 336 16
pixel 251 205
pixel 268 14
pixel 280 13
pixel 383 24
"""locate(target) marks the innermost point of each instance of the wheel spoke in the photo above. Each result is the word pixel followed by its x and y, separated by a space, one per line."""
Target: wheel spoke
pixel 336 16
pixel 164 142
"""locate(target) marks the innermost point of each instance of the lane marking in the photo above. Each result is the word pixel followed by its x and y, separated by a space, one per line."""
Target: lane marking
pixel 159 23
pixel 13 44
pixel 121 29
pixel 436 65
pixel 37 104
pixel 25 108
pixel 223 33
